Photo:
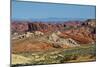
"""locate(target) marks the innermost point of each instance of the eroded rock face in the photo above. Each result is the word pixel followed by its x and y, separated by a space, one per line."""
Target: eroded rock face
pixel 22 26
pixel 31 46
pixel 62 42
pixel 19 27
pixel 41 43
pixel 60 34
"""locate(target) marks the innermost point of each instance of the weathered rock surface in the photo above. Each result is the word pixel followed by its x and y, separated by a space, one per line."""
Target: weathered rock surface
pixel 47 36
pixel 22 26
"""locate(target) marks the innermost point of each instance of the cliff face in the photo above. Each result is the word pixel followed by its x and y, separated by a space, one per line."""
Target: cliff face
pixel 20 26
pixel 83 32
pixel 23 26
pixel 86 33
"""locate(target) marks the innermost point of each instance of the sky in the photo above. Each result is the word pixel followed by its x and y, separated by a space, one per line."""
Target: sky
pixel 48 11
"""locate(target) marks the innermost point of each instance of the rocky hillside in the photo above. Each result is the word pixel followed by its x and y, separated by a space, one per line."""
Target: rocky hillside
pixel 49 43
pixel 22 26
pixel 82 31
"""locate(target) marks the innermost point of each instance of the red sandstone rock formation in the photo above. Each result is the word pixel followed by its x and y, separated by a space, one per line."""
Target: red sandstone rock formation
pixel 83 32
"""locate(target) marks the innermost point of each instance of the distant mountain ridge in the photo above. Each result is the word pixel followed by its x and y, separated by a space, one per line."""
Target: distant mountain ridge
pixel 52 19
pixel 22 26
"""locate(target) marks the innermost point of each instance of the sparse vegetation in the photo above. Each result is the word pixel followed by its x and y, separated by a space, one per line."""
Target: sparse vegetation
pixel 78 54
